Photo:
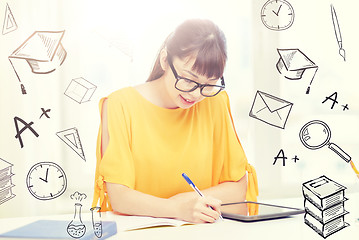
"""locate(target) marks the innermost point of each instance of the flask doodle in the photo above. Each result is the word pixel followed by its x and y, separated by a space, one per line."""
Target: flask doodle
pixel 76 228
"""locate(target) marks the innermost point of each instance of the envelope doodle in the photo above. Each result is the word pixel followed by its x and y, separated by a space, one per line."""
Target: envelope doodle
pixel 270 109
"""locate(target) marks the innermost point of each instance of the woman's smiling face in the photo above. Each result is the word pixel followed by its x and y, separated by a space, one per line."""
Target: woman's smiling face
pixel 183 68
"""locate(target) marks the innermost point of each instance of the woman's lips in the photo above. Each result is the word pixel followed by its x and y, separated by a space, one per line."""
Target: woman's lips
pixel 187 101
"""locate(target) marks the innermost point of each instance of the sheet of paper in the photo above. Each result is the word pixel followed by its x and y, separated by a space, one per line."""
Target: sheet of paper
pixel 128 223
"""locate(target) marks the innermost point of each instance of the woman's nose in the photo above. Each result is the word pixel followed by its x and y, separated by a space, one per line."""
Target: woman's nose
pixel 196 94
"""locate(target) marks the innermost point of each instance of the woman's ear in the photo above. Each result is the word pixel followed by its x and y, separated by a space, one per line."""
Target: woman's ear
pixel 163 59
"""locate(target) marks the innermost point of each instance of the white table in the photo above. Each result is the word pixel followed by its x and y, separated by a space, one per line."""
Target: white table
pixel 292 228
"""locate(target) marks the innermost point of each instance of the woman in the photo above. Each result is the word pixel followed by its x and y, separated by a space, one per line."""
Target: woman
pixel 179 121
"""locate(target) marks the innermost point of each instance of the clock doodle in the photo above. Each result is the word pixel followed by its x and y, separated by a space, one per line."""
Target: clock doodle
pixel 46 180
pixel 277 15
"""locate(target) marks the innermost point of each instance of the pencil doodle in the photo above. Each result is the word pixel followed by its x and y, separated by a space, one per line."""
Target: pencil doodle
pixel 9 24
pixel 46 180
pixel 6 183
pixel 324 205
pixel 80 90
pixel 277 15
pixel 293 63
pixel 96 221
pixel 44 112
pixel 26 126
pixel 43 52
pixel 76 228
pixel 72 138
pixel 270 109
pixel 337 32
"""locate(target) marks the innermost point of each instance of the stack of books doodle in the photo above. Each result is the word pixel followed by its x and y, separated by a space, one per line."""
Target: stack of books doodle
pixel 6 184
pixel 324 205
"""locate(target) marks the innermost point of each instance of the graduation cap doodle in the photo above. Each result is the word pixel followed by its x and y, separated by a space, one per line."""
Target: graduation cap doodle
pixel 43 52
pixel 293 63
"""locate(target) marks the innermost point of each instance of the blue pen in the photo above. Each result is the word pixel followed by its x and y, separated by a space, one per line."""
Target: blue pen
pixel 189 181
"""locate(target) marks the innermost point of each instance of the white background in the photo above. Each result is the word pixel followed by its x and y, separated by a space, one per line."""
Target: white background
pixel 113 44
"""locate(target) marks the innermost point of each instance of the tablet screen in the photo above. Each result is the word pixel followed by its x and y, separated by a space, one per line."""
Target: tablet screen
pixel 265 211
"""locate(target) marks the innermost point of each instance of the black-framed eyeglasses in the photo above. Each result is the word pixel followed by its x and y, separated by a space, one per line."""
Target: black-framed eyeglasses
pixel 187 85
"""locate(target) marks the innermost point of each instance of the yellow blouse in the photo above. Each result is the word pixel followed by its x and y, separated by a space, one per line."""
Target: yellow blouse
pixel 150 147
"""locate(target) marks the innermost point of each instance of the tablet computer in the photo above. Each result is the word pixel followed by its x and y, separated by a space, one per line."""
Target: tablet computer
pixel 239 211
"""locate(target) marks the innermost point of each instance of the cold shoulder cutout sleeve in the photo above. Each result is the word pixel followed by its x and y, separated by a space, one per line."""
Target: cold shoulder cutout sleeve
pixel 116 163
pixel 229 148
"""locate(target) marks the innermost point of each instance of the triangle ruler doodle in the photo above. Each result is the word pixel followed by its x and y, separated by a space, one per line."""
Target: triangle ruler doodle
pixel 72 139
pixel 9 21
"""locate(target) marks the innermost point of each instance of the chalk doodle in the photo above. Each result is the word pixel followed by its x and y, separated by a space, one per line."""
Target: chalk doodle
pixel 72 138
pixel 46 181
pixel 80 90
pixel 316 134
pixel 6 184
pixel 334 98
pixel 76 228
pixel 9 24
pixel 43 52
pixel 45 113
pixel 295 159
pixel 121 42
pixel 293 63
pixel 345 107
pixel 78 197
pixel 277 15
pixel 26 126
pixel 270 109
pixel 96 221
pixel 282 156
pixel 324 206
pixel 338 34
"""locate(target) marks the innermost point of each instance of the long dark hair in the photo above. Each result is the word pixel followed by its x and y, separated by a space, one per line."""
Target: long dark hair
pixel 199 37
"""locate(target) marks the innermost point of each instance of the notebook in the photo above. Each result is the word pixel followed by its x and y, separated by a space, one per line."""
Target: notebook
pixel 53 229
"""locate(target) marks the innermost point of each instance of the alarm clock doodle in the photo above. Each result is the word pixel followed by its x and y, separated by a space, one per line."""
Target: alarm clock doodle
pixel 277 15
pixel 46 181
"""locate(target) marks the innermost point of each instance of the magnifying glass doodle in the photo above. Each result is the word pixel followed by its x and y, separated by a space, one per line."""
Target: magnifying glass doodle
pixel 316 134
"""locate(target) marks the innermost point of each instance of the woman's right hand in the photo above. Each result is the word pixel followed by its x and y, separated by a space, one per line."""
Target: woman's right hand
pixel 196 209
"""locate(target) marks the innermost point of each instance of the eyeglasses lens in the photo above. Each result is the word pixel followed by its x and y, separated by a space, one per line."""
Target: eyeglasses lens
pixel 188 86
